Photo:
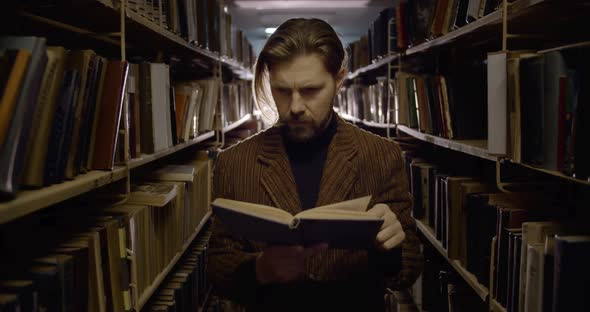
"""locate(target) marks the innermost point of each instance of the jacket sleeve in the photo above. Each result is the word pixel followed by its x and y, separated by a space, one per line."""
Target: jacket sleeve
pixel 232 262
pixel 395 193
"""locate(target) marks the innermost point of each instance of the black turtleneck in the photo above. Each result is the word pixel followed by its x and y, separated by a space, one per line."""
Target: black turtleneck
pixel 307 163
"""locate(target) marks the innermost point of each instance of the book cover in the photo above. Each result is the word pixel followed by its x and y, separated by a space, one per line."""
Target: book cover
pixel 12 156
pixel 110 115
pixel 571 271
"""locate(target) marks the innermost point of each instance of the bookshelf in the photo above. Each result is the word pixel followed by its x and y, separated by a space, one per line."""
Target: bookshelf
pixel 350 118
pixel 104 15
pixel 462 54
pixel 237 123
pixel 30 201
pixel 493 19
pixel 160 278
pixel 377 125
pixel 145 159
pixel 476 148
pixel 101 26
pixel 479 289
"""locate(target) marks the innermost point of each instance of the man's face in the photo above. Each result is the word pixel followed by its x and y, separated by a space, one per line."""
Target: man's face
pixel 303 91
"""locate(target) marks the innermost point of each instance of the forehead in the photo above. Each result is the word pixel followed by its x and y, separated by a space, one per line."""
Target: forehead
pixel 302 69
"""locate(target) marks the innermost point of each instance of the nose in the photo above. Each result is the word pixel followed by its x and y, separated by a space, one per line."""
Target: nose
pixel 297 105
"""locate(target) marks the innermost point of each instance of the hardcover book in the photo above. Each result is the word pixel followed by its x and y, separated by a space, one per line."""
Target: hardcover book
pixel 341 225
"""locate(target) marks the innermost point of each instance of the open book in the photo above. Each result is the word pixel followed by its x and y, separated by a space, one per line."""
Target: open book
pixel 342 225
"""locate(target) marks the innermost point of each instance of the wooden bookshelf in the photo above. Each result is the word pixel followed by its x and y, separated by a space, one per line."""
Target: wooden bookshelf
pixel 238 123
pixel 147 294
pixel 145 159
pixel 377 125
pixel 29 201
pixel 491 20
pixel 476 148
pixel 495 306
pixel 376 64
pixel 100 19
pixel 350 118
pixel 481 290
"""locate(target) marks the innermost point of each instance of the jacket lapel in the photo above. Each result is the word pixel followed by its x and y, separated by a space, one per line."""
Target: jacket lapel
pixel 277 180
pixel 340 173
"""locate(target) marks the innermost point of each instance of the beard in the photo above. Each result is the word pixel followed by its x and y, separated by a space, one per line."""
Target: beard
pixel 303 130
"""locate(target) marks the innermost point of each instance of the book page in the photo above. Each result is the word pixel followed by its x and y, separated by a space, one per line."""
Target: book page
pixel 358 204
pixel 335 214
pixel 256 210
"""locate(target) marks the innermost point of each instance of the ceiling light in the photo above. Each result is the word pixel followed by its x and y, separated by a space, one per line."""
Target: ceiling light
pixel 270 30
pixel 301 4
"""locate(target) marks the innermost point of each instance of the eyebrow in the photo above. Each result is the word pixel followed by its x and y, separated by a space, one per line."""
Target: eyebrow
pixel 302 86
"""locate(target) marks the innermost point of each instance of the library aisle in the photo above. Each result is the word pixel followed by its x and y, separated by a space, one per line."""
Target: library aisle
pixel 113 114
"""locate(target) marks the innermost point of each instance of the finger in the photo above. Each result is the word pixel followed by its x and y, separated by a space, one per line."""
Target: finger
pixel 388 232
pixel 378 210
pixel 385 234
pixel 394 241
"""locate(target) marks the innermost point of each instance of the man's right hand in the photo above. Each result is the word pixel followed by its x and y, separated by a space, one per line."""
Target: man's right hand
pixel 284 264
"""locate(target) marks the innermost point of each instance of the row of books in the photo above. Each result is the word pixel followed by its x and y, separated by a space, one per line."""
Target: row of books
pixel 374 44
pixel 186 287
pixel 412 22
pixel 423 20
pixel 205 23
pixel 163 114
pixel 236 101
pixel 440 289
pixel 468 214
pixel 365 102
pixel 106 256
pixel 544 119
pixel 60 112
pixel 448 106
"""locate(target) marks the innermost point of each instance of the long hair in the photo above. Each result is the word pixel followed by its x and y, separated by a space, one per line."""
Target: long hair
pixel 295 37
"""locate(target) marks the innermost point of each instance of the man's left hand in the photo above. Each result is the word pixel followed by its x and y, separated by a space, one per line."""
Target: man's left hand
pixel 391 233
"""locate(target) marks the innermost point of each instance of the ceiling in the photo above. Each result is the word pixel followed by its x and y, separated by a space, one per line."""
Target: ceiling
pixel 349 23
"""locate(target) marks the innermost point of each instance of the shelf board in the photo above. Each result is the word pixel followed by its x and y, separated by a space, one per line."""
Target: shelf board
pixel 495 306
pixel 29 201
pixel 147 294
pixel 377 125
pixel 101 19
pixel 472 147
pixel 238 123
pixel 374 65
pixel 494 18
pixel 479 289
pixel 350 118
pixel 145 159
pixel 554 173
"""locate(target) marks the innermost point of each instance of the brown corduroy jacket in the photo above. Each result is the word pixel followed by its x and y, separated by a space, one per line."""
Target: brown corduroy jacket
pixel 358 164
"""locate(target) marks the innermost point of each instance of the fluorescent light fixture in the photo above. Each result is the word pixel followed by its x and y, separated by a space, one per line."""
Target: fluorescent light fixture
pixel 225 9
pixel 270 30
pixel 302 4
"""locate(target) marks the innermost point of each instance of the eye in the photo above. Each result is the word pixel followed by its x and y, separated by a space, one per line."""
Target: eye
pixel 283 91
